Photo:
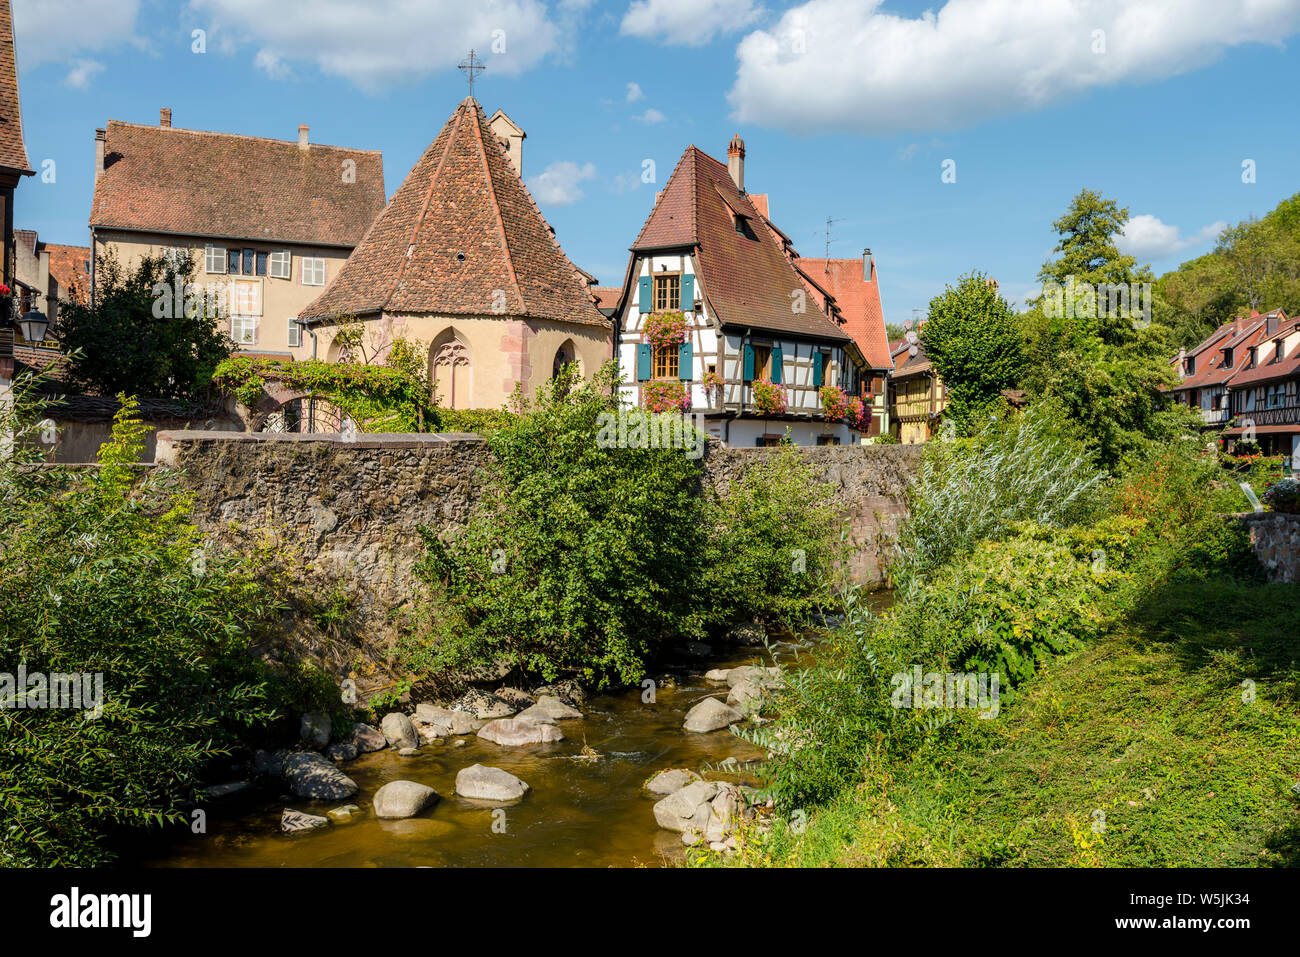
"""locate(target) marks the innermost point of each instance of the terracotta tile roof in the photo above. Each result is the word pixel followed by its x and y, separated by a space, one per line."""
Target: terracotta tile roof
pixel 27 237
pixel 461 236
pixel 606 296
pixel 195 183
pixel 68 265
pixel 13 151
pixel 1210 370
pixel 858 302
pixel 1267 367
pixel 906 364
pixel 749 281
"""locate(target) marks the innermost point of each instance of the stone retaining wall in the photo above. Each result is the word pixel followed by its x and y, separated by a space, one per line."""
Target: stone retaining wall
pixel 1276 539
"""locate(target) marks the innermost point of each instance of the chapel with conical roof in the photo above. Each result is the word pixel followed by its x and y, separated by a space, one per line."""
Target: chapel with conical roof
pixel 462 260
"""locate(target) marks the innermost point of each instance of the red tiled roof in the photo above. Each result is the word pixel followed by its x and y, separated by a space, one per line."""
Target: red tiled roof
pixel 858 301
pixel 68 267
pixel 1209 354
pixel 27 237
pixel 195 183
pixel 1268 369
pixel 13 151
pixel 607 296
pixel 461 233
pixel 749 282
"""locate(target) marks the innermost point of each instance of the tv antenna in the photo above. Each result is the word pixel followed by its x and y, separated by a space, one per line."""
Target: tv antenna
pixel 829 239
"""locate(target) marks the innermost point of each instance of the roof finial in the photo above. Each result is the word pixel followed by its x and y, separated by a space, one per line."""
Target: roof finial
pixel 470 66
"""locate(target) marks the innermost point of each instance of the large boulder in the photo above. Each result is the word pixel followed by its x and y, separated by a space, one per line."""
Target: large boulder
pixel 671 780
pixel 711 715
pixel 298 821
pixel 445 721
pixel 367 738
pixel 763 677
pixel 516 698
pixel 746 696
pixel 489 784
pixel 483 704
pixel 398 799
pixel 341 751
pixel 536 714
pixel 687 807
pixel 399 732
pixel 311 776
pixel 568 691
pixel 512 733
pixel 556 708
pixel 314 729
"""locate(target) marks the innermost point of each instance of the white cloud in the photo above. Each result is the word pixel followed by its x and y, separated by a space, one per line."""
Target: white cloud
pixel 634 92
pixel 842 65
pixel 82 72
pixel 271 64
pixel 1147 238
pixel 381 43
pixel 650 116
pixel 687 22
pixel 54 31
pixel 557 185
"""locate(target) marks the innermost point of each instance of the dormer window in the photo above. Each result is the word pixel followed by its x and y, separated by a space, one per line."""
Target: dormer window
pixel 1189 365
pixel 1227 357
pixel 743 228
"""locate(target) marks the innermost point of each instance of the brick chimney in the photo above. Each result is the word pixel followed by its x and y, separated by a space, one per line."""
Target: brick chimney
pixel 868 266
pixel 165 117
pixel 101 141
pixel 302 136
pixel 736 161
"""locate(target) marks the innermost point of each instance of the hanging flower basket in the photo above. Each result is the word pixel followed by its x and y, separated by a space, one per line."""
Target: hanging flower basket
pixel 834 402
pixel 858 415
pixel 666 395
pixel 769 399
pixel 665 329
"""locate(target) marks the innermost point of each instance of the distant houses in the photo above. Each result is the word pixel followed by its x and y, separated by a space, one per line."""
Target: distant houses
pixel 269 223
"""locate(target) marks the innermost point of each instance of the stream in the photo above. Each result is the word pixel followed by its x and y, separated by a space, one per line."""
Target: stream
pixel 579 813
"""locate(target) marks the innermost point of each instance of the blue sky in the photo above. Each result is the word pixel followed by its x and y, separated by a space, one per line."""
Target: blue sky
pixel 848 109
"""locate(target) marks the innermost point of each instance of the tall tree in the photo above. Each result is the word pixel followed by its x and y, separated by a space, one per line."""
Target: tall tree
pixel 974 341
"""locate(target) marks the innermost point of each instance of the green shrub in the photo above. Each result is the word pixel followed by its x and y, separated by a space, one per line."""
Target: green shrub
pixel 105 574
pixel 581 558
pixel 479 421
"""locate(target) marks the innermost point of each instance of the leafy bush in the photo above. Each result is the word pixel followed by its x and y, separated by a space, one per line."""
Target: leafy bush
pixel 103 573
pixel 582 556
pixel 478 421
pixel 1283 495
pixel 1028 469
pixel 772 543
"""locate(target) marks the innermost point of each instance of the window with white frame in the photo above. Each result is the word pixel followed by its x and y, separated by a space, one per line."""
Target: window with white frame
pixel 295 333
pixel 214 258
pixel 313 271
pixel 281 265
pixel 243 329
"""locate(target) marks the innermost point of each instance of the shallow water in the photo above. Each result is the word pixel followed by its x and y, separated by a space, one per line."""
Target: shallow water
pixel 578 813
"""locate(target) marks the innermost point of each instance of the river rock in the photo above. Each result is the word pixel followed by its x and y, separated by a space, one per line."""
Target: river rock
pixel 556 708
pixel 671 780
pixel 746 696
pixel 511 732
pixel 747 633
pixel 535 714
pixel 711 715
pixel 341 751
pixel 344 813
pixel 516 698
pixel 448 721
pixel 717 674
pixel 219 791
pixel 398 730
pixel 311 776
pixel 687 807
pixel 398 799
pixel 489 784
pixel 298 821
pixel 568 691
pixel 367 738
pixel 483 704
pixel 314 729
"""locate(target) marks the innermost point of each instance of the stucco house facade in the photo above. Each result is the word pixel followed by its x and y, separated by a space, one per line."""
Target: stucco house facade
pixel 462 261
pixel 269 223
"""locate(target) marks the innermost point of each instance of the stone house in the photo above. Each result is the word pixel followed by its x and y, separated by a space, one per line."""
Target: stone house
pixel 709 252
pixel 269 223
pixel 462 261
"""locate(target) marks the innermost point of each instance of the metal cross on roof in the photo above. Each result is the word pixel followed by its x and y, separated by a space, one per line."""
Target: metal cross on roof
pixel 470 66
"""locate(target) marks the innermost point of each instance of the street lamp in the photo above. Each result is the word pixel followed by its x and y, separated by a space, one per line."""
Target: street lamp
pixel 33 325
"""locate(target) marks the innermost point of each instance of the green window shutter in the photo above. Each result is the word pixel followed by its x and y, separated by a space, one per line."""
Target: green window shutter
pixel 643 294
pixel 776 365
pixel 748 363
pixel 686 362
pixel 644 357
pixel 817 369
pixel 688 293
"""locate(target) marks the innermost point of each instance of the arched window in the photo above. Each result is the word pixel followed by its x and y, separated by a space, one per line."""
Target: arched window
pixel 565 355
pixel 451 369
